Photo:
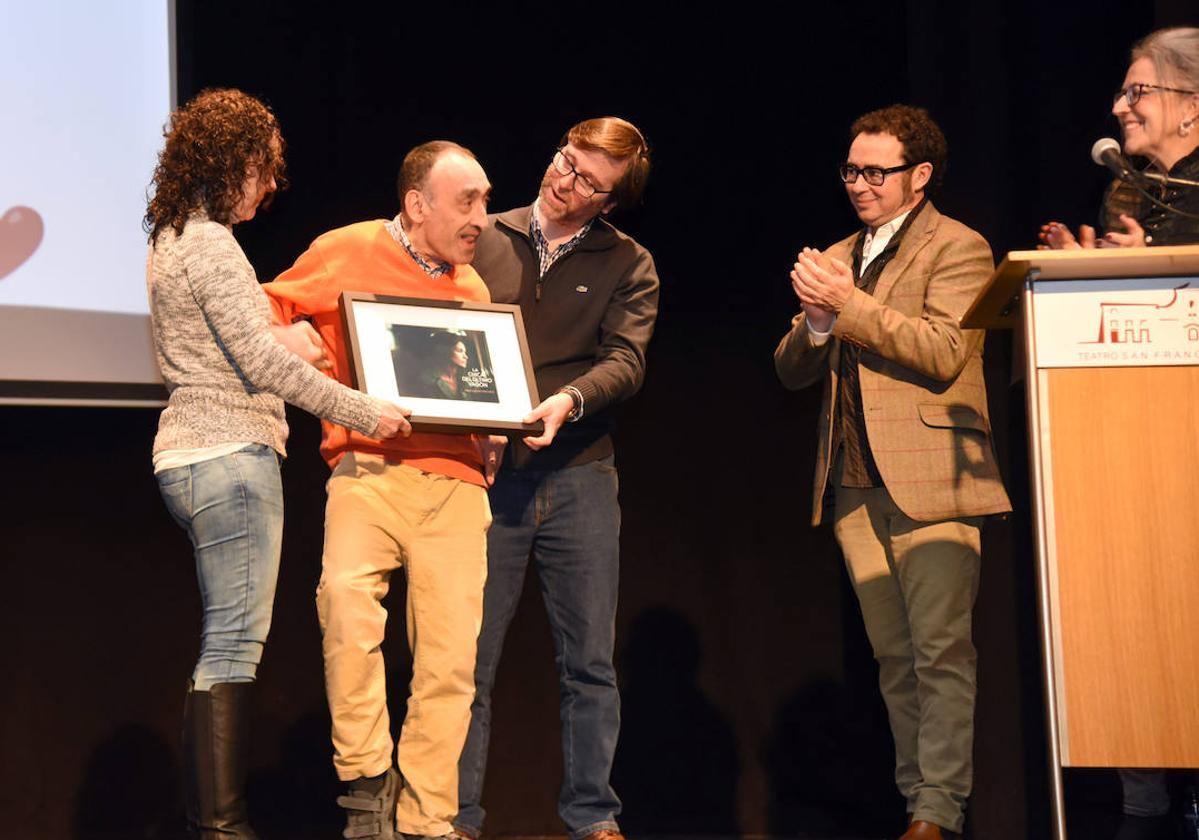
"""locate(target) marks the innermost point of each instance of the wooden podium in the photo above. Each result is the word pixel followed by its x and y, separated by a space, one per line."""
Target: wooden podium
pixel 1111 341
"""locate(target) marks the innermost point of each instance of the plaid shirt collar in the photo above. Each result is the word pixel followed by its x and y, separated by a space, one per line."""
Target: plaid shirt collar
pixel 544 254
pixel 396 228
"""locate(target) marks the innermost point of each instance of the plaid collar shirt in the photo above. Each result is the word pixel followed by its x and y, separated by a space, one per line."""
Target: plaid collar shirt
pixel 546 256
pixel 396 228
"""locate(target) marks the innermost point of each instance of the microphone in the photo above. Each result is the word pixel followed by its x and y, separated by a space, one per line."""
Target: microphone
pixel 1106 152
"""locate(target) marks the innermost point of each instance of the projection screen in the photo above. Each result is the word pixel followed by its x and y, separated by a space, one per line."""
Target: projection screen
pixel 86 88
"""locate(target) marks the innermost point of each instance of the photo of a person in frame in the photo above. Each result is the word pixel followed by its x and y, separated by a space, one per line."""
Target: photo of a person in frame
pixel 445 373
pixel 443 364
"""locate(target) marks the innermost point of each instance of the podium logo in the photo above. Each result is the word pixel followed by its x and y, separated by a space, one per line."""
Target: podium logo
pixel 21 230
pixel 1144 322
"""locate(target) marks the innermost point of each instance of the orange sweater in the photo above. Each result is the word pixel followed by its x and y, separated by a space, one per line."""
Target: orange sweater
pixel 365 258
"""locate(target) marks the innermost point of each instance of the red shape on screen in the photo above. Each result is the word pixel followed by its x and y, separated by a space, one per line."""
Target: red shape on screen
pixel 21 230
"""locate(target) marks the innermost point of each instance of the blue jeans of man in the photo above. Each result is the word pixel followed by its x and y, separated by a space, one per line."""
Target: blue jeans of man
pixel 232 510
pixel 568 522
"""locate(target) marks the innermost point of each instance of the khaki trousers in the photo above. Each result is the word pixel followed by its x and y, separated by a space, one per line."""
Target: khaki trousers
pixel 916 584
pixel 380 517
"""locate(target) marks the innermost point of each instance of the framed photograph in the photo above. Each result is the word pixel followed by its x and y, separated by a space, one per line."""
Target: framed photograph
pixel 460 366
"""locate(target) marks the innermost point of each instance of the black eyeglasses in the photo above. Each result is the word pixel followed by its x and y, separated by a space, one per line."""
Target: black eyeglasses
pixel 582 186
pixel 1134 92
pixel 874 175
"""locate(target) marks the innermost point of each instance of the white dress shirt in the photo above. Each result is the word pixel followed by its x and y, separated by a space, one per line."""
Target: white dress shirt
pixel 875 243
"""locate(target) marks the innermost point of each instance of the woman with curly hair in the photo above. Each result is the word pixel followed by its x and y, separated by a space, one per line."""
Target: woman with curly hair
pixel 222 435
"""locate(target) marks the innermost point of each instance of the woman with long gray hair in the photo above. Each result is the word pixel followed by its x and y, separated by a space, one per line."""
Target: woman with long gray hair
pixel 1157 107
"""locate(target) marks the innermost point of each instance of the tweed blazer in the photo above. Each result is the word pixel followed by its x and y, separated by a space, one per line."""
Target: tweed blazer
pixel 923 396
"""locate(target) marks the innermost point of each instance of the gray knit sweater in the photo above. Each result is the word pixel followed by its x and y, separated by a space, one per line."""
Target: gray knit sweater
pixel 226 374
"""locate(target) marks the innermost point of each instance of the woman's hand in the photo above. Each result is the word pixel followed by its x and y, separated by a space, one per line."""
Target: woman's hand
pixel 1057 237
pixel 1133 237
pixel 393 421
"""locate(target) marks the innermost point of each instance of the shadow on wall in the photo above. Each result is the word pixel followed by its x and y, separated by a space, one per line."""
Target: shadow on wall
pixel 676 768
pixel 300 789
pixel 830 757
pixel 294 792
pixel 130 788
pixel 829 775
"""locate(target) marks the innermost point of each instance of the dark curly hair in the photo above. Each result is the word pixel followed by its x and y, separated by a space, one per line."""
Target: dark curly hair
pixel 921 137
pixel 212 144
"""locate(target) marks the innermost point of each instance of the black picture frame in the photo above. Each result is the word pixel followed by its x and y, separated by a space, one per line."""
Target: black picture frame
pixel 461 366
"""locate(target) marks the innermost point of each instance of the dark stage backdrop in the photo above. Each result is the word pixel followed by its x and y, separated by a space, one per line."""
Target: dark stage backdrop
pixel 750 704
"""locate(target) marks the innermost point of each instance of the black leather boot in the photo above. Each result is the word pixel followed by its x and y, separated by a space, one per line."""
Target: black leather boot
pixel 215 746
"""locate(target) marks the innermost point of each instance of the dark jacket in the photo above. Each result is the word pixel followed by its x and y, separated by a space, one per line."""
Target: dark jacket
pixel 588 321
pixel 1162 226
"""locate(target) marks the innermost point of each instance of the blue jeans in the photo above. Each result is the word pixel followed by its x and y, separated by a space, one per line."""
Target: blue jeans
pixel 232 510
pixel 568 520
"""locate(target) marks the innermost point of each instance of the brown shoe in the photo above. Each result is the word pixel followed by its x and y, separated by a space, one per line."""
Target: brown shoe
pixel 922 830
pixel 604 834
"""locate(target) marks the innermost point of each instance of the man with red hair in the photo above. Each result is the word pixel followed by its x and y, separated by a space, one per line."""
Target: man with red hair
pixel 589 297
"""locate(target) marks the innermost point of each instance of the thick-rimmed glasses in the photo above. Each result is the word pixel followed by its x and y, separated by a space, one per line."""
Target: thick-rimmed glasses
pixel 874 175
pixel 1134 92
pixel 582 186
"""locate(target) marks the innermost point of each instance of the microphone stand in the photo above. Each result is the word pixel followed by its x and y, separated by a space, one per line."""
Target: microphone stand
pixel 1138 180
pixel 1158 178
